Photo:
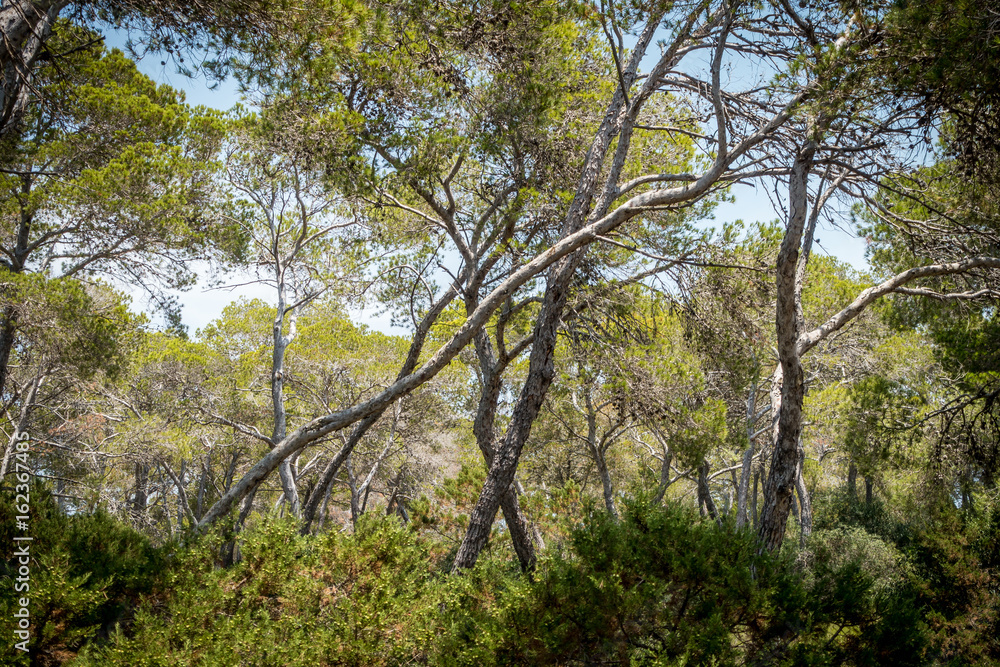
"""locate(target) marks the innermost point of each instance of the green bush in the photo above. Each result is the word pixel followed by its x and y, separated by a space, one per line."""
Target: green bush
pixel 362 599
pixel 661 586
pixel 88 572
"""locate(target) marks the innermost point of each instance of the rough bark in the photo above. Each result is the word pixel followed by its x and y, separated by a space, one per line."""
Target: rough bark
pixel 541 369
pixel 25 25
pixel 541 366
pixel 484 428
pixel 780 485
pixel 661 488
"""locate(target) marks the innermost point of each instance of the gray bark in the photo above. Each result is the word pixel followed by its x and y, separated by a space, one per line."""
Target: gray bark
pixel 746 469
pixel 668 457
pixel 598 450
pixel 202 487
pixel 541 366
pixel 25 25
pixel 780 485
pixel 280 413
pixel 22 424
pixel 484 429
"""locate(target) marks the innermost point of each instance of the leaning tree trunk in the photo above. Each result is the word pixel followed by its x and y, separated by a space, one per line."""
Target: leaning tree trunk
pixel 325 483
pixel 606 485
pixel 22 425
pixel 483 429
pixel 541 365
pixel 781 480
pixel 705 502
pixel 541 370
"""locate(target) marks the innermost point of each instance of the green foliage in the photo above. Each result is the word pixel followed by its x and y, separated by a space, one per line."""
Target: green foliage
pixel 112 173
pixel 361 599
pixel 88 572
pixel 661 586
pixel 66 323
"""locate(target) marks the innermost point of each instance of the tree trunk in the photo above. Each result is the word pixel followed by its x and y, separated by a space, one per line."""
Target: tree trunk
pixel 183 508
pixel 280 345
pixel 325 483
pixel 597 451
pixel 22 424
pixel 541 369
pixel 661 489
pixel 780 485
pixel 705 493
pixel 606 484
pixel 16 265
pixel 541 365
pixel 8 331
pixel 231 550
pixel 140 495
pixel 352 484
pixel 745 471
pixel 202 486
pixel 325 507
pixel 25 25
pixel 484 428
pixel 805 504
